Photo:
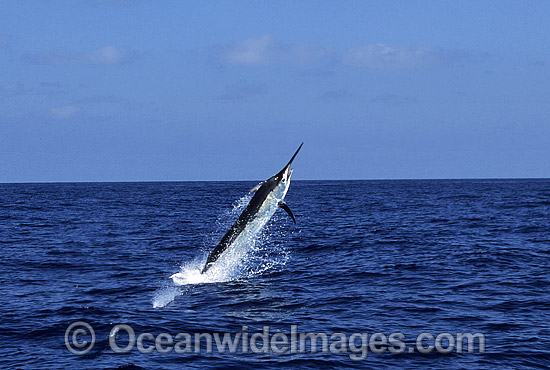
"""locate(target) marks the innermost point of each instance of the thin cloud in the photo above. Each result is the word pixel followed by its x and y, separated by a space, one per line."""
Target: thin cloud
pixel 42 88
pixel 266 51
pixel 241 90
pixel 3 41
pixel 13 89
pixel 108 55
pixel 112 3
pixel 335 95
pixel 101 99
pixel 316 73
pixel 52 88
pixel 384 56
pixel 393 99
pixel 49 58
pixel 50 85
pixel 111 55
pixel 64 112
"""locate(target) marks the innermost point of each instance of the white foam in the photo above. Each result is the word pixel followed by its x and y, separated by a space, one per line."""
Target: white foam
pixel 165 295
pixel 246 257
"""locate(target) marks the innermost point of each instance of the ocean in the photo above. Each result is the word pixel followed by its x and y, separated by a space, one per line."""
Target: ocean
pixel 398 259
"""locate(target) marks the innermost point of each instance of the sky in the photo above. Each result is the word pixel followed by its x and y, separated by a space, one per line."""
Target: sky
pixel 105 90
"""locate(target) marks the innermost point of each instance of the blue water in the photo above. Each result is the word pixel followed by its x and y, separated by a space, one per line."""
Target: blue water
pixel 365 256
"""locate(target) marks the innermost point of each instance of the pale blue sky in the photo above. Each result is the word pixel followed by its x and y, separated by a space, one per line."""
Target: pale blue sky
pixel 175 90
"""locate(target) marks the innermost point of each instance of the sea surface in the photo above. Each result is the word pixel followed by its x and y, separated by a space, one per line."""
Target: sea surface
pixel 408 256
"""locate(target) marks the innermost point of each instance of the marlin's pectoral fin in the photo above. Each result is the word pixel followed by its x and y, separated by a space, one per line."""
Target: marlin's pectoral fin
pixel 256 187
pixel 287 209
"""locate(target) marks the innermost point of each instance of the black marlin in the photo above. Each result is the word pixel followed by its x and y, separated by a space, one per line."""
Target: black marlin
pixel 268 197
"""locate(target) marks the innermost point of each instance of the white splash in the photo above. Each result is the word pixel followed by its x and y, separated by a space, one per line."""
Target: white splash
pixel 250 254
pixel 165 295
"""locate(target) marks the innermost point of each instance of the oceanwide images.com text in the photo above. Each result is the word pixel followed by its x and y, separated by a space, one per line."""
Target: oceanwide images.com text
pixel 80 339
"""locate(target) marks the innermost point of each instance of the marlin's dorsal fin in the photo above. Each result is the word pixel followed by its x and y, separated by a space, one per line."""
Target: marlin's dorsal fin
pixel 287 209
pixel 256 187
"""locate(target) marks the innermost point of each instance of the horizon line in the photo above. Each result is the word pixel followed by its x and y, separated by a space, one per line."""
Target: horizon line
pixel 316 180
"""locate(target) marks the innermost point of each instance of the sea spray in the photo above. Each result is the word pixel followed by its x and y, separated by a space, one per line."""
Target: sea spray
pixel 255 252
